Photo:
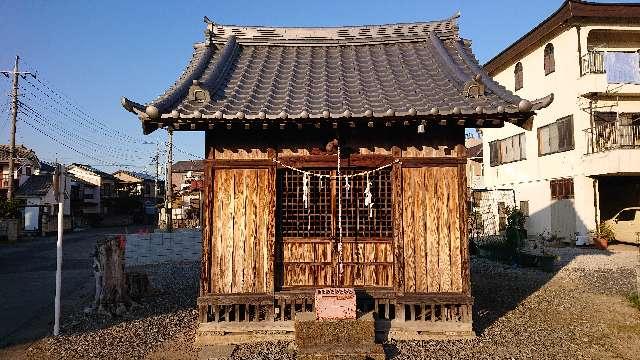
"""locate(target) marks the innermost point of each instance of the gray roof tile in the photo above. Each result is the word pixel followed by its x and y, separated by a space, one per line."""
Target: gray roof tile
pixel 246 73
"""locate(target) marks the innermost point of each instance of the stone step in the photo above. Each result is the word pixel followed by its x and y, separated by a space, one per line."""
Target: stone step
pixel 331 352
pixel 310 332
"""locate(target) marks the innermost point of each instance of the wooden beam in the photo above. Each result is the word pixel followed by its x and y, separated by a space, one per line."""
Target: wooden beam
pixel 311 161
pixel 240 163
pixel 412 162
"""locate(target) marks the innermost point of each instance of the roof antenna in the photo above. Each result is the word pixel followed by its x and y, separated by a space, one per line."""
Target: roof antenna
pixel 207 20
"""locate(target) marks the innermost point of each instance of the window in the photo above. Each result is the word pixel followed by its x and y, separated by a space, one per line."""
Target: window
pixel 27 170
pixel 502 216
pixel 106 190
pixel 524 207
pixel 556 137
pixel 517 72
pixel 562 189
pixel 549 60
pixel 507 150
pixel 626 215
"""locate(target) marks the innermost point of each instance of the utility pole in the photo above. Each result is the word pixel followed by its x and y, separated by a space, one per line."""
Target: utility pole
pixel 14 118
pixel 169 196
pixel 59 195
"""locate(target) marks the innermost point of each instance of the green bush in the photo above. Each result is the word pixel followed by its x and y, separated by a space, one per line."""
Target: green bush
pixel 515 231
pixel 9 209
pixel 606 232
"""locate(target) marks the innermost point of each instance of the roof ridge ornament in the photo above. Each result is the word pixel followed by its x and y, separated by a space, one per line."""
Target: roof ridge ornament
pixel 474 87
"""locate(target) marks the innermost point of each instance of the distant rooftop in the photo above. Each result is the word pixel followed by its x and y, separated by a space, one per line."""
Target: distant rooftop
pixel 89 168
pixel 187 165
pixel 23 155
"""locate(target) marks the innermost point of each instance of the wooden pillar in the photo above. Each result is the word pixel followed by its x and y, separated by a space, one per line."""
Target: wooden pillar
pixel 398 242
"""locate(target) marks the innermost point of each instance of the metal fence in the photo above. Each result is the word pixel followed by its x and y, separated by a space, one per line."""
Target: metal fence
pixel 611 136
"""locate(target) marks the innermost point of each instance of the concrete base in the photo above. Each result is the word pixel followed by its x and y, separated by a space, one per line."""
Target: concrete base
pixel 423 330
pixel 225 333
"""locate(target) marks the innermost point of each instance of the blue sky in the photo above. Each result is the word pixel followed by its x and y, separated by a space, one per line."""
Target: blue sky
pixel 96 51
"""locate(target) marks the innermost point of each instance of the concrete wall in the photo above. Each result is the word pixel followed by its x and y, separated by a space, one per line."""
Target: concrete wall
pixel 152 248
pixel 531 178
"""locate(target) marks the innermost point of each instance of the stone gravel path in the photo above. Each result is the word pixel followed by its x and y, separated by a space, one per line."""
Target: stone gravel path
pixel 579 312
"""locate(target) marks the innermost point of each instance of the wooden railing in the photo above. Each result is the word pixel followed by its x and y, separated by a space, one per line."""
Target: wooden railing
pixel 593 63
pixel 612 136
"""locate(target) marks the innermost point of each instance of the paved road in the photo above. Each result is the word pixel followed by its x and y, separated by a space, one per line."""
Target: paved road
pixel 27 281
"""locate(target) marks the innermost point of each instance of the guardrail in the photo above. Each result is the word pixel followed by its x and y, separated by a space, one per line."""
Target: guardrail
pixel 593 63
pixel 612 136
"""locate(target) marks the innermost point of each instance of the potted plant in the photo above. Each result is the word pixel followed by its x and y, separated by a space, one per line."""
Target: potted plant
pixel 603 236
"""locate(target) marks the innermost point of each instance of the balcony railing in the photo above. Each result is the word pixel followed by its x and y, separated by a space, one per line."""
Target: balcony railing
pixel 593 63
pixel 4 181
pixel 612 136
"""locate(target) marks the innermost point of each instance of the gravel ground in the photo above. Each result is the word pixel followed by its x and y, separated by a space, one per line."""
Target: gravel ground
pixel 579 312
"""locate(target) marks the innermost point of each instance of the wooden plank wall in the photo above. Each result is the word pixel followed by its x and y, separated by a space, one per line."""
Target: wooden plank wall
pixel 432 229
pixel 243 231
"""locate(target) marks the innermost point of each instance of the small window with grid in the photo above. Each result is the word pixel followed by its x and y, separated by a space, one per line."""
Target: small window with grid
pixel 320 218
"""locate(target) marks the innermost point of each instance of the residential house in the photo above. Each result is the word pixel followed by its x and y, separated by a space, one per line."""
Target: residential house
pixel 580 164
pixel 104 182
pixel 26 163
pixel 184 172
pixel 139 184
pixel 474 162
pixel 85 202
pixel 40 204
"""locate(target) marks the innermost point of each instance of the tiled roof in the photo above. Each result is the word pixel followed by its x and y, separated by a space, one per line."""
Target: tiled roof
pixel 187 165
pixel 46 167
pixel 138 175
pixel 23 155
pixel 36 185
pixel 475 151
pixel 368 72
pixel 91 169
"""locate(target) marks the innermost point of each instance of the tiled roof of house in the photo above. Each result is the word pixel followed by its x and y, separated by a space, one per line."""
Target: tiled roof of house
pixel 89 168
pixel 46 167
pixel 475 151
pixel 36 185
pixel 138 175
pixel 417 70
pixel 23 155
pixel 187 165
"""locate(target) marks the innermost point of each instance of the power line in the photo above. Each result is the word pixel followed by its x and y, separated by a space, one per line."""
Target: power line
pixel 60 142
pixel 70 114
pixel 99 147
pixel 115 149
pixel 90 118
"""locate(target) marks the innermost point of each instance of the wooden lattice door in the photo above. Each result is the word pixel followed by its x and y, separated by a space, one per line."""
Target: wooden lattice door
pixel 307 245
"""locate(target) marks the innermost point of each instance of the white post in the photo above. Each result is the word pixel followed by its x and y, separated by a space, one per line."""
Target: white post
pixel 60 198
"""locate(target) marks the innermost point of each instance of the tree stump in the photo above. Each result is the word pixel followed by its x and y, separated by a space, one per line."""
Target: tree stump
pixel 112 296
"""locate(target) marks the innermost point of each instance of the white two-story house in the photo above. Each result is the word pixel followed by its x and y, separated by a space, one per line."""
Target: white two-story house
pixel 580 164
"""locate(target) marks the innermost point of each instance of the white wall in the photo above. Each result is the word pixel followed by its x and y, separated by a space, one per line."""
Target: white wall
pixel 530 178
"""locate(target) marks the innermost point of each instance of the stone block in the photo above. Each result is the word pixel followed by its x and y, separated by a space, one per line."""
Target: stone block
pixel 310 332
pixel 330 352
pixel 219 352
